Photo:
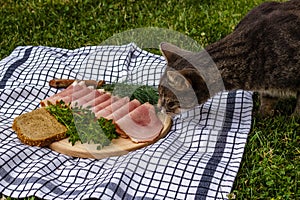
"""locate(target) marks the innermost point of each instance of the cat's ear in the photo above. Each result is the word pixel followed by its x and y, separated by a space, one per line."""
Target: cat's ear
pixel 171 52
pixel 177 80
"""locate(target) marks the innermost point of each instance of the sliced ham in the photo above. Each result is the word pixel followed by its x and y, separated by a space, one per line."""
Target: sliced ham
pixel 76 95
pixel 141 124
pixel 64 93
pixel 124 110
pixel 93 94
pixel 98 100
pixel 112 107
pixel 104 104
pixel 138 122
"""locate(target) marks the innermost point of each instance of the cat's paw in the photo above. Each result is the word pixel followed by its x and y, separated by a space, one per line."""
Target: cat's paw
pixel 266 111
pixel 296 112
pixel 267 104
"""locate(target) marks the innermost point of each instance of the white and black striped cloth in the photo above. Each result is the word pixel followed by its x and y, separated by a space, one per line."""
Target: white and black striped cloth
pixel 198 159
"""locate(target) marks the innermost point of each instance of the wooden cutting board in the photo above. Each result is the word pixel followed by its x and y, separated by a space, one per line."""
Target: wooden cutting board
pixel 117 147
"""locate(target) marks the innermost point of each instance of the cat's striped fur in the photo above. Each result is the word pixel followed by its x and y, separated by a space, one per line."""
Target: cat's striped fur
pixel 262 54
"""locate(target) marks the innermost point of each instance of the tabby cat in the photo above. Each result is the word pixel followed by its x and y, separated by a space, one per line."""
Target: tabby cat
pixel 262 54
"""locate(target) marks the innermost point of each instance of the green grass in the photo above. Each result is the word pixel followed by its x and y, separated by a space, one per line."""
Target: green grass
pixel 72 24
pixel 271 163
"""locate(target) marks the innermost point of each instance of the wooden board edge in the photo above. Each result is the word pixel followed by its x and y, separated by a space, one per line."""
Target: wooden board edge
pixel 81 150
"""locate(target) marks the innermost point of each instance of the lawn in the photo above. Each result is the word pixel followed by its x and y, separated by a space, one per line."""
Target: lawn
pixel 271 164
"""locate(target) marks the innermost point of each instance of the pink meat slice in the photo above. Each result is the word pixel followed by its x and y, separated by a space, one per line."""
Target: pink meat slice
pixel 96 101
pixel 112 107
pixel 141 124
pixel 124 110
pixel 104 104
pixel 66 92
pixel 76 95
pixel 86 98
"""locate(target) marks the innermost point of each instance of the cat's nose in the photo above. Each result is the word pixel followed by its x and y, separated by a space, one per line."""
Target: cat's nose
pixel 159 104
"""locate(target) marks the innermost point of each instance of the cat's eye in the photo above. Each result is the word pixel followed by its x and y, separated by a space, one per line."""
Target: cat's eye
pixel 171 104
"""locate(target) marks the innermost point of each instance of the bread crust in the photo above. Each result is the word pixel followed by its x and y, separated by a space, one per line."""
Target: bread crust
pixel 27 128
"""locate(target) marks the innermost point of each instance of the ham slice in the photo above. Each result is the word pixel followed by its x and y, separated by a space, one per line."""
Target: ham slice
pixel 141 124
pixel 124 110
pixel 97 100
pixel 104 104
pixel 112 107
pixel 93 94
pixel 57 97
pixel 76 95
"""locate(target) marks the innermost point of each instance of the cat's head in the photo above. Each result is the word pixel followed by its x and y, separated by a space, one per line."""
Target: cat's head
pixel 181 86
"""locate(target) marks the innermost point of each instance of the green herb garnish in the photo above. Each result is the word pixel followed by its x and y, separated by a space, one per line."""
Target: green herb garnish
pixel 83 126
pixel 143 93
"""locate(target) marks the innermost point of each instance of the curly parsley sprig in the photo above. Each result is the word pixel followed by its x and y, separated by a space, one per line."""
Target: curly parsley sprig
pixel 143 93
pixel 83 126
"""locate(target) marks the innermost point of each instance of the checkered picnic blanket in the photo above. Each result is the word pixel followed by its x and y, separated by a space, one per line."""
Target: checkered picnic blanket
pixel 198 159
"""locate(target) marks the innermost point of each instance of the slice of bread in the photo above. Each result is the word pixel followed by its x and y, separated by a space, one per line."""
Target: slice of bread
pixel 38 128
